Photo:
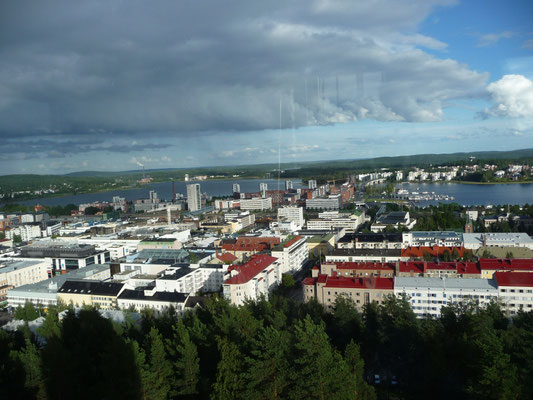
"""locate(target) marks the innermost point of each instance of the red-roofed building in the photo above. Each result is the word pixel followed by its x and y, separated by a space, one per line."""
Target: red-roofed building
pixel 249 245
pixel 455 269
pixel 489 266
pixel 355 269
pixel 435 251
pixel 325 289
pixel 251 280
pixel 515 290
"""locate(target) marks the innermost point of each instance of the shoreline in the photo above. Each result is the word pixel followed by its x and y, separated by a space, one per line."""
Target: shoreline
pixel 466 183
pixel 20 201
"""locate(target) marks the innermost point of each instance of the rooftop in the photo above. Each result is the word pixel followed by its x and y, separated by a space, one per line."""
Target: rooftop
pixel 360 283
pixel 367 252
pixel 523 279
pixel 10 266
pixel 91 287
pixel 51 285
pixel 443 283
pixel 250 270
pixel 167 297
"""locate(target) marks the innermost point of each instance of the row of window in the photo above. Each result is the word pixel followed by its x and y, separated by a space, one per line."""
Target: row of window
pixel 519 290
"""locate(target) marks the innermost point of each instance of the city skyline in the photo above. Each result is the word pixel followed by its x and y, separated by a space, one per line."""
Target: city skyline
pixel 178 85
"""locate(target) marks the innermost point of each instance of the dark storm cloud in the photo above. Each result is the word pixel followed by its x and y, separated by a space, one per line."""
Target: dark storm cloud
pixel 57 148
pixel 183 67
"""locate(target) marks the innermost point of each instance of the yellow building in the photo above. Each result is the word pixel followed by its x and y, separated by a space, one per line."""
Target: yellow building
pixel 321 244
pixel 90 293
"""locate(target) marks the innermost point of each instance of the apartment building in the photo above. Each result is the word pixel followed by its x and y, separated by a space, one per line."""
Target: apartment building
pixel 325 289
pixel 19 273
pixel 515 290
pixel 291 254
pixel 257 203
pixel 428 295
pixel 294 214
pixel 356 270
pixel 334 220
pixel 251 280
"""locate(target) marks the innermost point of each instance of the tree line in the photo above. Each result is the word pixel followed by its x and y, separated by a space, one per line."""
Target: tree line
pixel 271 349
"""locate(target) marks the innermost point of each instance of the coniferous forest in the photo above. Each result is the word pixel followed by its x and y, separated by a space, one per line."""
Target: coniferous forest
pixel 276 349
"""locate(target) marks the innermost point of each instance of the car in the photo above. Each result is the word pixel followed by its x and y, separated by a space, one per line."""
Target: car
pixel 377 379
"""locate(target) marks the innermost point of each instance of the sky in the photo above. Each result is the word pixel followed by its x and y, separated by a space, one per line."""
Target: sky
pixel 110 85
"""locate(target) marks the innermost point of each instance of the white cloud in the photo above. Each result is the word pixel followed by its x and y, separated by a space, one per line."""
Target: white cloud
pixel 528 44
pixel 492 38
pixel 178 70
pixel 513 97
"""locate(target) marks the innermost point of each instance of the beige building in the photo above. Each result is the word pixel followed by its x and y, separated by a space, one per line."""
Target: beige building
pixel 321 245
pixel 19 273
pixel 356 270
pixel 91 293
pixel 361 291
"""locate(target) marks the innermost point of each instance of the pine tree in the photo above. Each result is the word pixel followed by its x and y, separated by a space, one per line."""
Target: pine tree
pixel 30 358
pixel 187 365
pixel 352 356
pixel 269 369
pixel 229 383
pixel 159 368
pixel 320 371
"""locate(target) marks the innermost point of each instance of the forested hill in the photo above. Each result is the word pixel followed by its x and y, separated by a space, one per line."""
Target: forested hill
pixel 275 349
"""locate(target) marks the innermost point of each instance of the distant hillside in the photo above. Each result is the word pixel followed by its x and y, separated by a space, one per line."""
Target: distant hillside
pixel 378 162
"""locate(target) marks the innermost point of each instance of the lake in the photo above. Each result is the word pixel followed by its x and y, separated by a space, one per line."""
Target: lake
pixel 464 194
pixel 468 194
pixel 164 191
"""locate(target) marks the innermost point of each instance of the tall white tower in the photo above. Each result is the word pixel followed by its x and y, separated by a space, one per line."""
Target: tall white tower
pixel 194 201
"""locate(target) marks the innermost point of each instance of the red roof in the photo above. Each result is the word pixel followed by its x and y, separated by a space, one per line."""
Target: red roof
pixel 514 278
pixel 226 257
pixel 411 266
pixel 434 251
pixel 362 265
pixel 419 267
pixel 322 278
pixel 250 270
pixel 244 247
pixel 522 264
pixel 361 283
pixel 309 281
pixel 292 241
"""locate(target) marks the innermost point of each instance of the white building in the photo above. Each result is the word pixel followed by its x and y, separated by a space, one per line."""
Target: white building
pixel 225 204
pixel 194 200
pixel 428 295
pixel 333 220
pixel 236 188
pixel 256 278
pixel 515 290
pixel 472 215
pixel 291 255
pixel 19 273
pixel 192 278
pixel 257 203
pixel 333 202
pixel 432 238
pixel 311 184
pixel 45 292
pixel 288 185
pixel 27 232
pixel 142 298
pixel 474 241
pixel 263 187
pixel 294 214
